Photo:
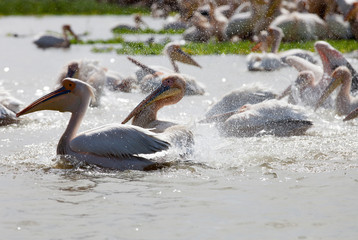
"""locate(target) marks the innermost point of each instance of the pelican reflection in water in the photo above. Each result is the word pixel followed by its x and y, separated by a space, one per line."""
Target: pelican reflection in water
pixel 113 146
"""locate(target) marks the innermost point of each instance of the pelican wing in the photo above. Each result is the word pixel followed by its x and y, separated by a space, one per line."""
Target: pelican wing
pixel 118 140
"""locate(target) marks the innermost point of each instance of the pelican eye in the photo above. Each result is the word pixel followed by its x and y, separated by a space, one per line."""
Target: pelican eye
pixel 69 85
pixel 168 82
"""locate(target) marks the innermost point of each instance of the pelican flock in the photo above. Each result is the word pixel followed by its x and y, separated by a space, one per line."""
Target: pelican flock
pixel 250 110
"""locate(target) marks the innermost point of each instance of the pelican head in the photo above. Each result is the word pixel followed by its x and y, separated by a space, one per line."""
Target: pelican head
pixel 304 79
pixel 170 91
pixel 67 28
pixel 174 51
pixel 67 98
pixel 341 75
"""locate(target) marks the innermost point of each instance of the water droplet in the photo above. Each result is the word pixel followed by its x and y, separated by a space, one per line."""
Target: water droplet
pixel 223 79
pixel 18 228
pixel 6 69
pixel 112 60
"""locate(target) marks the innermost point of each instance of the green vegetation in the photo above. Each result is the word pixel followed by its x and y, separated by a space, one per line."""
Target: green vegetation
pixel 69 7
pixel 147 31
pixel 211 48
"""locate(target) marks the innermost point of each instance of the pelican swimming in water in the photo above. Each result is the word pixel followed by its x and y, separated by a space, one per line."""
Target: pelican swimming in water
pixel 345 102
pixel 309 84
pixel 232 101
pixel 144 115
pixel 111 146
pixel 274 60
pixel 88 71
pixel 271 117
pixel 149 77
pixel 175 53
pixel 48 41
pixel 138 21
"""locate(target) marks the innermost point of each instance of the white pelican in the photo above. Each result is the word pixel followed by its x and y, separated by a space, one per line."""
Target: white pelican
pixel 245 24
pixel 175 53
pixel 138 21
pixel 88 71
pixel 298 26
pixel 332 58
pixel 144 115
pixel 111 146
pixel 345 102
pixel 47 41
pixel 117 82
pixel 309 84
pixel 271 117
pixel 148 78
pixel 251 94
pixel 200 31
pixel 306 91
pixel 274 60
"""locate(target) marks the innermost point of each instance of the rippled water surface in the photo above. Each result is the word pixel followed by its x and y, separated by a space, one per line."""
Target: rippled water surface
pixel 268 187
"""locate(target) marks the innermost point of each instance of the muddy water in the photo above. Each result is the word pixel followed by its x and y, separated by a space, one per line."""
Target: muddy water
pixel 250 188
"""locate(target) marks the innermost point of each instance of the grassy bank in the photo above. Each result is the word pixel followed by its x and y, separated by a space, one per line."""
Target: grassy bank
pixel 211 48
pixel 64 7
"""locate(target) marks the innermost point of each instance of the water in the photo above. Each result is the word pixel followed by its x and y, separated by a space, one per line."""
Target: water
pixel 248 188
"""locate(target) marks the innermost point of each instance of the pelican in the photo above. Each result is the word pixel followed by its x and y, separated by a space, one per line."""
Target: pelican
pixel 149 78
pixel 175 53
pixel 111 146
pixel 251 94
pixel 332 58
pixel 345 102
pixel 271 117
pixel 298 26
pixel 138 22
pixel 144 115
pixel 47 41
pixel 309 84
pixel 116 82
pixel 200 31
pixel 246 24
pixel 273 60
pixel 306 91
pixel 88 71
